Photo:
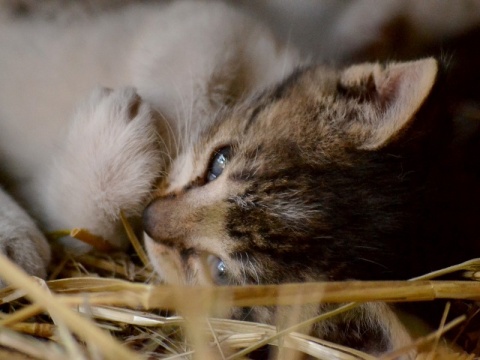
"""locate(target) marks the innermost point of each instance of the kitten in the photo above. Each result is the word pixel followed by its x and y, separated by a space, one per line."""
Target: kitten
pixel 328 175
pixel 307 181
pixel 320 177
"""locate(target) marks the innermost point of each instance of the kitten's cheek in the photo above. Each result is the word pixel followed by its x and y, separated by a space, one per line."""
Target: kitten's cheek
pixel 165 261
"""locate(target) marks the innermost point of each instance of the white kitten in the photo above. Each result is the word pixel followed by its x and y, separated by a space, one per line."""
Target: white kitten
pixel 185 61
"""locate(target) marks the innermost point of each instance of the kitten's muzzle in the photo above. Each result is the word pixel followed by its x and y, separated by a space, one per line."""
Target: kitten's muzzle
pixel 165 221
pixel 151 219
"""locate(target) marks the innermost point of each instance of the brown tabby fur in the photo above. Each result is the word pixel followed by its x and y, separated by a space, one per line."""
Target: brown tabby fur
pixel 334 175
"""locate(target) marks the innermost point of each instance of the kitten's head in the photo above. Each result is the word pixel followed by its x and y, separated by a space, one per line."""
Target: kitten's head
pixel 301 182
pixel 305 181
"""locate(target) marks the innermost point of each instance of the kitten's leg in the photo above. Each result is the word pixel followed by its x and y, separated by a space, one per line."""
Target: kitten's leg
pixel 20 238
pixel 113 154
pixel 371 327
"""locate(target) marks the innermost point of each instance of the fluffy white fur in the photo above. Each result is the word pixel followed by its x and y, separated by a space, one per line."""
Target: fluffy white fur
pixel 20 239
pixel 79 168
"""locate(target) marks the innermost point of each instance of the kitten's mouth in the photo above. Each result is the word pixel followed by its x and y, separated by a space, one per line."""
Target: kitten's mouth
pixel 165 260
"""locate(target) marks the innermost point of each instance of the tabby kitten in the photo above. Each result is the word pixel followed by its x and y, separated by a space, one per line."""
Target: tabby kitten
pixel 286 177
pixel 321 177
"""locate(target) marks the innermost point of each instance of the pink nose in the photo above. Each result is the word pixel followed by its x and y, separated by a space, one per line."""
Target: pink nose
pixel 163 221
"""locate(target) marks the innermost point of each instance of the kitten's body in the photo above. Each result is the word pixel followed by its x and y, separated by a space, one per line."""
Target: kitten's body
pixel 326 172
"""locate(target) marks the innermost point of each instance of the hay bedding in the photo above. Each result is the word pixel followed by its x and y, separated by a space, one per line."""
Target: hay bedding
pixel 99 306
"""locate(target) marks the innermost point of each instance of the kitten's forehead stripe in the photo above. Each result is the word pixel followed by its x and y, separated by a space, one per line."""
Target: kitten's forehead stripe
pixel 254 116
pixel 274 96
pixel 281 90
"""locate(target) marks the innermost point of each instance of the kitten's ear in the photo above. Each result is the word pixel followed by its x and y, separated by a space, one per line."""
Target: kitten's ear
pixel 399 90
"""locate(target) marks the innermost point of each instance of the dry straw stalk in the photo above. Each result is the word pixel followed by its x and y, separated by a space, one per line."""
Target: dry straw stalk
pixel 116 292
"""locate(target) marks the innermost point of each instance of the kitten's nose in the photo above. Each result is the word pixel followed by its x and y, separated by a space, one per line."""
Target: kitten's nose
pixel 163 220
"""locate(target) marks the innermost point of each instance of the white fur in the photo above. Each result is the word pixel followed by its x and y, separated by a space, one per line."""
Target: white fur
pixel 20 239
pixel 82 172
pixel 108 164
pixel 181 171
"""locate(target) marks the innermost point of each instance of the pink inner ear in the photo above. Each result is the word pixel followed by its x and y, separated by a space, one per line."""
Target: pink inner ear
pixel 387 86
pixel 402 88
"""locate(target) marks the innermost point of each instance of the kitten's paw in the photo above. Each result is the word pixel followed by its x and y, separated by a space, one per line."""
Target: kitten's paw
pixel 28 250
pixel 21 240
pixel 112 157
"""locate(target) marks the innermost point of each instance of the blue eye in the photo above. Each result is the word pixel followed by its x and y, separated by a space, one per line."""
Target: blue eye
pixel 218 162
pixel 218 270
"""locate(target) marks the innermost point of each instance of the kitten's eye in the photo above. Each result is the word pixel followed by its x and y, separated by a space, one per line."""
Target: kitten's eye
pixel 218 162
pixel 218 270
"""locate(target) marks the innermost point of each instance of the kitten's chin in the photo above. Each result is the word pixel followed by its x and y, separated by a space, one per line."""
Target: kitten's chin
pixel 165 263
